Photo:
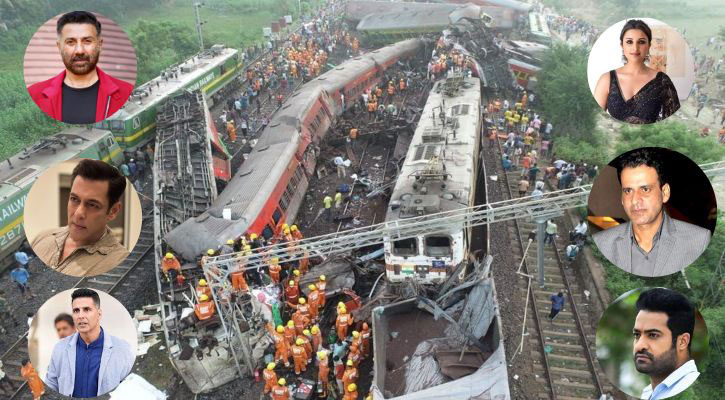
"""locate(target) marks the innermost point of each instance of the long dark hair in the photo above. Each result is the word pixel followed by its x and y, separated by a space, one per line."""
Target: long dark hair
pixel 636 24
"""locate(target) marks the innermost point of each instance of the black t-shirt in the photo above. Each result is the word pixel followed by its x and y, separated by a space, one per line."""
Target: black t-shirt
pixel 79 105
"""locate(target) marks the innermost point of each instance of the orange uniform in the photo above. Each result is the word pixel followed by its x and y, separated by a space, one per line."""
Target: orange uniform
pixel 170 263
pixel 31 376
pixel 323 374
pixel 274 270
pixel 231 131
pixel 344 320
pixel 203 290
pixel 204 310
pixel 354 355
pixel 365 335
pixel 238 281
pixel 270 380
pixel 304 309
pixel 304 262
pixel 301 322
pixel 350 395
pixel 280 393
pixel 313 300
pixel 282 349
pixel 299 355
pixel 292 293
pixel 350 376
pixel 321 288
pixel 316 341
pixel 289 334
pixel 307 345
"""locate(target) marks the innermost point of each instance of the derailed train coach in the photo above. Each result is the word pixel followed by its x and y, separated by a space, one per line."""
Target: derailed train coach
pixel 268 189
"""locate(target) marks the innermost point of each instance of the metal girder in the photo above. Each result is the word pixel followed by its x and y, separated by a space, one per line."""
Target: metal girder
pixel 550 204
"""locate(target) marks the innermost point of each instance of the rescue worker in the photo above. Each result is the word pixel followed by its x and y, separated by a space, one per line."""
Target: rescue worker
pixel 280 391
pixel 344 320
pixel 327 202
pixel 292 293
pixel 338 199
pixel 321 284
pixel 365 335
pixel 299 355
pixel 289 332
pixel 351 393
pixel 339 372
pixel 205 308
pixel 307 344
pixel 296 275
pixel 227 248
pixel 354 355
pixel 239 283
pixel 401 84
pixel 270 377
pixel 231 131
pixel 313 299
pixel 274 269
pixel 316 338
pixel 303 308
pixel 202 288
pixel 37 388
pixel 356 340
pixel 209 253
pixel 281 346
pixel 296 232
pixel 255 242
pixel 301 322
pixel 170 266
pixel 350 375
pixel 323 374
pixel 391 88
pixel 353 135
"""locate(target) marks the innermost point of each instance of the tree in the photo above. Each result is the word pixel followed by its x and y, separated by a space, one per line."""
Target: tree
pixel 159 45
pixel 672 135
pixel 565 97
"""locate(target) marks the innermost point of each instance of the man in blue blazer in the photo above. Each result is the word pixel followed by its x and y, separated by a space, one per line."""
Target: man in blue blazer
pixel 90 362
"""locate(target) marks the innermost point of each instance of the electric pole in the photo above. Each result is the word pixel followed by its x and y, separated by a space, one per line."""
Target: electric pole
pixel 197 6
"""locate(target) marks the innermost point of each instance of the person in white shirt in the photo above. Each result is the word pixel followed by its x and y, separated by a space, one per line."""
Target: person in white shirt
pixel 663 331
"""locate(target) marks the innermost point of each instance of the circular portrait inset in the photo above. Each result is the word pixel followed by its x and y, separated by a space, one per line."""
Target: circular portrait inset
pixel 639 70
pixel 80 67
pixel 655 209
pixel 652 341
pixel 82 342
pixel 82 217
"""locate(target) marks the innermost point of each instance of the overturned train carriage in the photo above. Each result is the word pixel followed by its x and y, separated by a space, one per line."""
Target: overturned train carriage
pixel 268 188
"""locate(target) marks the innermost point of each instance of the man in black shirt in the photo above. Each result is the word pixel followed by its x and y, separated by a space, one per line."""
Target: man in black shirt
pixel 82 93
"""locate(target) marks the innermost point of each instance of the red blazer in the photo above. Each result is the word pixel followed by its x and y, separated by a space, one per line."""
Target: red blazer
pixel 112 95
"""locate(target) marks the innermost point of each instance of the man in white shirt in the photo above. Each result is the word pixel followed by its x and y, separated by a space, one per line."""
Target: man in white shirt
pixel 340 164
pixel 663 333
pixel 581 229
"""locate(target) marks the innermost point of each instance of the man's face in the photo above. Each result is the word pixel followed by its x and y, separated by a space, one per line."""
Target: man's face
pixel 79 47
pixel 653 351
pixel 63 329
pixel 88 211
pixel 86 315
pixel 642 196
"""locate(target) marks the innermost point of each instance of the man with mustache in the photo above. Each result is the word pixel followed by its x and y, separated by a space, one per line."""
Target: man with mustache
pixel 651 243
pixel 662 338
pixel 90 362
pixel 82 93
pixel 86 246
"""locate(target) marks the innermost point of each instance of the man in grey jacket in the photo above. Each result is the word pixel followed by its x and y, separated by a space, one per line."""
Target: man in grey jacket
pixel 651 243
pixel 90 362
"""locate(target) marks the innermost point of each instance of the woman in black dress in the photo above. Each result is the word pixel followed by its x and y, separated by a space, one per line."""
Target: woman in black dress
pixel 636 93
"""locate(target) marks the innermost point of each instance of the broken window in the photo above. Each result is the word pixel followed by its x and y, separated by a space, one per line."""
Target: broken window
pixel 277 215
pixel 438 246
pixel 406 247
pixel 267 232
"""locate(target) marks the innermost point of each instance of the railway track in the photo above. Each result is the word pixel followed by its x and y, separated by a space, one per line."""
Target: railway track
pixel 108 282
pixel 567 370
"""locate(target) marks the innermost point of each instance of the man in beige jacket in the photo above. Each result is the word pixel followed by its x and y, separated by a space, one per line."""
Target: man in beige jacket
pixel 86 246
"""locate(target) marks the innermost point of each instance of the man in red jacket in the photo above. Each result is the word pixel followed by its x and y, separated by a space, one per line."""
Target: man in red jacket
pixel 89 94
